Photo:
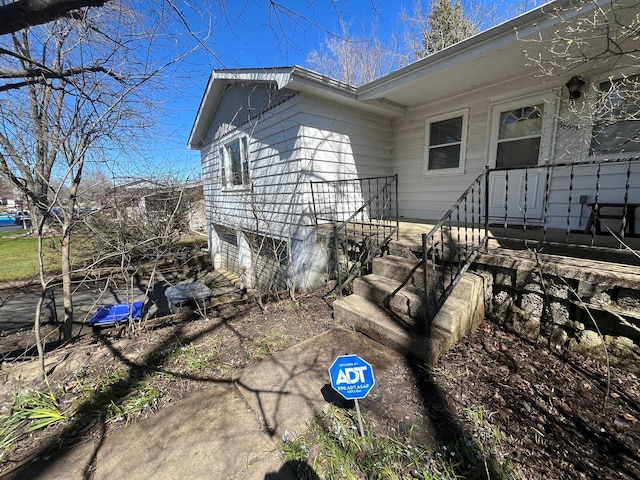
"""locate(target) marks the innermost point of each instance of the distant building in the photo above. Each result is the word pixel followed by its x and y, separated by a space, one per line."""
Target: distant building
pixel 149 201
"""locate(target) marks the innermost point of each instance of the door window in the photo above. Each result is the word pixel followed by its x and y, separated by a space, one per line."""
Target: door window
pixel 519 136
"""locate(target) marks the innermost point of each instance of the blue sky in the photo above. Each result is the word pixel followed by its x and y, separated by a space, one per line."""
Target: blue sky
pixel 248 33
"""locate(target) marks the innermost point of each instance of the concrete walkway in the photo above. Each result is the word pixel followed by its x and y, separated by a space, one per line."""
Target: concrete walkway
pixel 224 431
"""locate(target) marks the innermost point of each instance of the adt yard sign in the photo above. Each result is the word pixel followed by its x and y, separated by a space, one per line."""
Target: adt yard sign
pixel 351 376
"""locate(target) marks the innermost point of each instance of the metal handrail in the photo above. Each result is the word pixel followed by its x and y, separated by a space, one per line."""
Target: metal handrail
pixel 430 245
pixel 368 203
pixel 374 232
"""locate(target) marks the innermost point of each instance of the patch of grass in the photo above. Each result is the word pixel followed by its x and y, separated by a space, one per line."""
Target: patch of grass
pixel 143 401
pixel 31 410
pixel 290 306
pixel 333 448
pixel 202 358
pixel 117 396
pixel 86 247
pixel 12 233
pixel 193 358
pixel 266 346
pixel 21 256
pixel 487 442
pixel 22 249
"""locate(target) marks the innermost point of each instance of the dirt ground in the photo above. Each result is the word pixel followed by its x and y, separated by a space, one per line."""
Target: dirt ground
pixel 551 407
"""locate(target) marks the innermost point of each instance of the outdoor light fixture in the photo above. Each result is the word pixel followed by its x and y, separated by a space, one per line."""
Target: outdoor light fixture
pixel 574 85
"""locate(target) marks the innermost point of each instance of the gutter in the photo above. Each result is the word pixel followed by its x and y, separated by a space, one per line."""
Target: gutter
pixel 305 80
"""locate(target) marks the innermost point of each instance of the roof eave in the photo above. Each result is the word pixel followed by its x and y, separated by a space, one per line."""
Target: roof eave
pixel 215 89
pixel 486 40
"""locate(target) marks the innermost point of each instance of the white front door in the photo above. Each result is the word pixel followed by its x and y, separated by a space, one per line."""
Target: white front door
pixel 521 134
pixel 516 196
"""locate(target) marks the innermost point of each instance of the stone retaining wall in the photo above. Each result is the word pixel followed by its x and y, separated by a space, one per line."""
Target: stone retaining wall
pixel 563 300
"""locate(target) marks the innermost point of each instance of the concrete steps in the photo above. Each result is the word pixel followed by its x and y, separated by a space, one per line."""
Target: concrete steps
pixel 388 306
pixel 406 303
pixel 377 323
pixel 400 268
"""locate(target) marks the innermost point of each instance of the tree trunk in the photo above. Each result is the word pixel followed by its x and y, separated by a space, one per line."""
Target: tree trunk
pixel 67 298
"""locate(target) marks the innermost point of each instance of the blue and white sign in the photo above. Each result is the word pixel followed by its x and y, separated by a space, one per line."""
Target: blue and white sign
pixel 351 376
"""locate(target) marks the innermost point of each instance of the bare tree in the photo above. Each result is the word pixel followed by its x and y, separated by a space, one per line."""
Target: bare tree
pixel 6 188
pixel 590 34
pixel 357 59
pixel 360 58
pixel 94 188
pixel 73 87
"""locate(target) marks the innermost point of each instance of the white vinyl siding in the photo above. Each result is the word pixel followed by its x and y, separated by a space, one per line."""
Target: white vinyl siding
pixel 429 196
pixel 241 102
pixel 299 140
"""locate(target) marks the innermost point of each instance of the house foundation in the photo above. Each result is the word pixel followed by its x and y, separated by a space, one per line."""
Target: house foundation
pixel 591 307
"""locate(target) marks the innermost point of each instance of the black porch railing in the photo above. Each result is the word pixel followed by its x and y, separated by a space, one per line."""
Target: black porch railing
pixel 453 243
pixel 363 216
pixel 564 204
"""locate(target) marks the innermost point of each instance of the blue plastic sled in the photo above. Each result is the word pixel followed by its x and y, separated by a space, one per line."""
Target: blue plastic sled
pixel 114 314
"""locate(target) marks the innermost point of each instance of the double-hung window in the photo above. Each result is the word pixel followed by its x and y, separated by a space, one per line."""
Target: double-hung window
pixel 234 163
pixel 445 143
pixel 616 127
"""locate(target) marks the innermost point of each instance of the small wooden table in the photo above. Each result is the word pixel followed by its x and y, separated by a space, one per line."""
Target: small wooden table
pixel 597 215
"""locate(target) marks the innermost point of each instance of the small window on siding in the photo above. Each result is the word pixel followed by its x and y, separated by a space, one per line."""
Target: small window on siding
pixel 234 165
pixel 268 247
pixel 445 143
pixel 226 234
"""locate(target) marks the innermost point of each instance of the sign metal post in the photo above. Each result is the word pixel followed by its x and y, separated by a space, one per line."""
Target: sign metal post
pixel 352 377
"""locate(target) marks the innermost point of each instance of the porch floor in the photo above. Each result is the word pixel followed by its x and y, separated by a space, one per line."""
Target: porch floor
pixel 578 245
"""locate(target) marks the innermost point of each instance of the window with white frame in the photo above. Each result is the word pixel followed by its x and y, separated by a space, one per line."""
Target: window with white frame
pixel 445 143
pixel 616 127
pixel 234 163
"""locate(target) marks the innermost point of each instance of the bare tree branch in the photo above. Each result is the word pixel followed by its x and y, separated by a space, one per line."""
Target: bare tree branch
pixel 20 14
pixel 40 76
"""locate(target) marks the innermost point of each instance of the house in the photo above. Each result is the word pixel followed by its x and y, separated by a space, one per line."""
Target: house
pixel 266 135
pixel 145 200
